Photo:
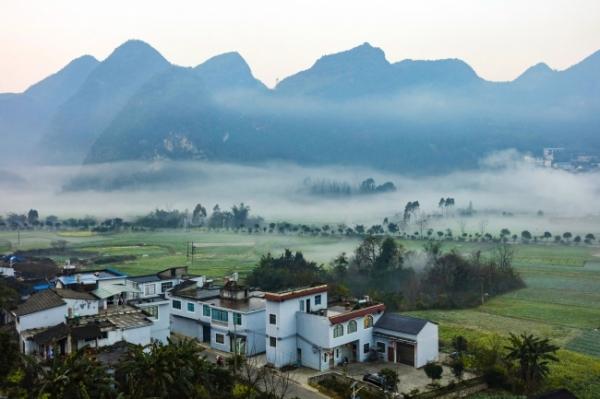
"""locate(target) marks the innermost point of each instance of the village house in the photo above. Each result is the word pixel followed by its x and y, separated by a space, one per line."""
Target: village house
pixel 151 298
pixel 230 318
pixel 304 329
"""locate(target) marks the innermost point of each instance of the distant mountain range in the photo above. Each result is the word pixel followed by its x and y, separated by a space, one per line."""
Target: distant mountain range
pixel 352 108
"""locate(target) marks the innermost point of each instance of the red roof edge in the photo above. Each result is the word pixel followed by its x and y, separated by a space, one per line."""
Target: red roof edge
pixel 380 307
pixel 284 296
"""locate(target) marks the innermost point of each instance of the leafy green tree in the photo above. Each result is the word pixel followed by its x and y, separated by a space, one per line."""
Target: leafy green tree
pixel 175 370
pixel 288 270
pixel 459 344
pixel 533 356
pixel 77 376
pixel 433 371
pixel 391 379
pixel 458 367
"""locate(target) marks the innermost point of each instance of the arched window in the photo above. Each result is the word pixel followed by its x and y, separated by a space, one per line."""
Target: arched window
pixel 338 330
pixel 351 326
pixel 368 321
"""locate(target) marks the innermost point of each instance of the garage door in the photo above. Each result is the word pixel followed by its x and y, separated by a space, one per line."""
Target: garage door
pixel 405 353
pixel 187 327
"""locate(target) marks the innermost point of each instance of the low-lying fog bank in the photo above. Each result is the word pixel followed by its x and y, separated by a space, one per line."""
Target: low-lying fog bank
pixel 277 191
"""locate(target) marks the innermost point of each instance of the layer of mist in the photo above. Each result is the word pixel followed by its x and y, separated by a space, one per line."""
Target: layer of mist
pixel 504 192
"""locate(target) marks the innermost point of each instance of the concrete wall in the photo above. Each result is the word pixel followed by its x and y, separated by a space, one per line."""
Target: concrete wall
pixel 188 327
pixel 44 318
pixel 427 345
pixel 82 307
pixel 138 336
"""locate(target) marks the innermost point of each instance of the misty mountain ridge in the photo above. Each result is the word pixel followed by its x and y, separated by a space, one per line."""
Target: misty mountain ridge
pixel 349 108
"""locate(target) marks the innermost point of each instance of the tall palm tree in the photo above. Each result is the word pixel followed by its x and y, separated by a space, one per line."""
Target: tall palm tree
pixel 533 355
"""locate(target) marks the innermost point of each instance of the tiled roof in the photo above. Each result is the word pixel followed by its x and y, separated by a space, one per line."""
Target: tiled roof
pixel 37 302
pixel 400 323
pixel 72 294
pixel 51 334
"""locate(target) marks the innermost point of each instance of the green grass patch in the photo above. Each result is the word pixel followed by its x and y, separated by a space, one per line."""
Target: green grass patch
pixel 587 342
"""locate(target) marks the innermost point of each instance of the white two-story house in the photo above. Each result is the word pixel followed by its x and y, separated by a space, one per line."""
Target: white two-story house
pixel 304 329
pixel 229 318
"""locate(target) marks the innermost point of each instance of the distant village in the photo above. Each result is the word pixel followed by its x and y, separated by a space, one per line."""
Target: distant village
pixel 560 158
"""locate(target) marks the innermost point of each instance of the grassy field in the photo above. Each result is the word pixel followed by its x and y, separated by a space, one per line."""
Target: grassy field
pixel 561 300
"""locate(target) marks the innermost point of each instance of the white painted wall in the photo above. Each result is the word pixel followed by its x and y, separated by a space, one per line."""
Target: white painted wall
pixel 7 271
pixel 427 345
pixel 161 326
pixel 45 318
pixel 286 328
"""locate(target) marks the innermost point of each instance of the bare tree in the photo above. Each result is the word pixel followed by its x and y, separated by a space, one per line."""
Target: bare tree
pixel 483 223
pixel 503 254
pixel 276 384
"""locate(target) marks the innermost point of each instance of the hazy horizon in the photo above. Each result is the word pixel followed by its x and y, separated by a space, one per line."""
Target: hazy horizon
pixel 274 190
pixel 499 39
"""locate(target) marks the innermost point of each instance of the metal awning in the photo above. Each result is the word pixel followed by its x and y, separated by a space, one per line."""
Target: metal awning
pixel 107 291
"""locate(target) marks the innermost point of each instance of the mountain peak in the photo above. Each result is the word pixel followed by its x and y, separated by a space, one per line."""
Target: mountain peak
pixel 135 50
pixel 228 71
pixel 362 54
pixel 230 60
pixel 538 71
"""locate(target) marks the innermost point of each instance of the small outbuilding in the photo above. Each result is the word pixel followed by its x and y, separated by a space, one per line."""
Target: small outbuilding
pixel 405 339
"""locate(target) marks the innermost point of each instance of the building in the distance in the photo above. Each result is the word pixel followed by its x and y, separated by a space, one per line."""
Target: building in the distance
pixel 230 318
pixel 304 329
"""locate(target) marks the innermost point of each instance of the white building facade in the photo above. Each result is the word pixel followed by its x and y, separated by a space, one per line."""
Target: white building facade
pixel 303 330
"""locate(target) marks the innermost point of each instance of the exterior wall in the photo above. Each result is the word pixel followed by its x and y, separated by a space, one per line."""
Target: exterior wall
pixel 7 271
pixel 427 345
pixel 45 318
pixel 161 326
pixel 253 325
pixel 286 327
pixel 225 346
pixel 81 307
pixel 137 336
pixel 157 285
pixel 309 354
pixel 190 323
pixel 188 327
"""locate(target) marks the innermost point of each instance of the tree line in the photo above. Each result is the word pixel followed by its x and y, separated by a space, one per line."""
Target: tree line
pixel 403 280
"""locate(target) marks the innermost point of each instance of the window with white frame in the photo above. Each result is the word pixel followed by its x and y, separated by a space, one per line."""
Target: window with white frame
pixel 152 311
pixel 381 347
pixel 352 326
pixel 150 289
pixel 191 307
pixel 237 319
pixel 176 304
pixel 318 300
pixel 368 321
pixel 272 342
pixel 220 338
pixel 166 286
pixel 338 330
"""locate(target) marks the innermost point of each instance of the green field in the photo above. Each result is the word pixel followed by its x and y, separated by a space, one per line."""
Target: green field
pixel 561 300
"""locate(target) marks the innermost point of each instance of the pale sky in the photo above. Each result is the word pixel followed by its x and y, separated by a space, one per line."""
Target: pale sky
pixel 498 38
